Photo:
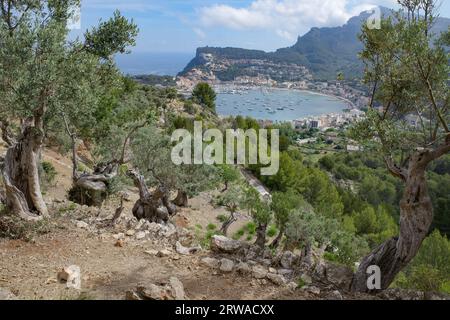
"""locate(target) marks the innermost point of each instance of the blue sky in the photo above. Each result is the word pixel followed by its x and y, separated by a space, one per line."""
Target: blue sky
pixel 183 25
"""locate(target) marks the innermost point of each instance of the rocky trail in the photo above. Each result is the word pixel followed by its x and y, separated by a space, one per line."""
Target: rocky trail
pixel 138 260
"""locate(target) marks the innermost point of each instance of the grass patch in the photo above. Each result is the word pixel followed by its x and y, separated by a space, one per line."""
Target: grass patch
pixel 222 218
pixel 239 234
pixel 69 208
pixel 211 227
pixel 300 283
pixel 12 227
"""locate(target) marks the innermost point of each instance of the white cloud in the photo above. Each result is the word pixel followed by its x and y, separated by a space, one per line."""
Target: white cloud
pixel 200 33
pixel 287 18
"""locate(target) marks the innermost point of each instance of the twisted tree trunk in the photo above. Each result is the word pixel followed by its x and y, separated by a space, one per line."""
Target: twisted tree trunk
pixel 182 199
pixel 228 223
pixel 416 216
pixel 154 207
pixel 276 242
pixel 20 171
pixel 261 235
pixel 90 188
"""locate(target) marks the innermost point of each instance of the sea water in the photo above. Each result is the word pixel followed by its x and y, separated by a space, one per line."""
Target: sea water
pixel 277 104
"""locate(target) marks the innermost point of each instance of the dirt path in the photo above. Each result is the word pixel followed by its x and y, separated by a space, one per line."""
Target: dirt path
pixel 29 269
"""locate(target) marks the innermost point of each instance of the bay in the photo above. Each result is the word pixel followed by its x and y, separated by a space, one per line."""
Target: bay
pixel 277 104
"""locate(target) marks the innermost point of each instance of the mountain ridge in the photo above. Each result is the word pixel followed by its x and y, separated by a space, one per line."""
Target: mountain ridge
pixel 325 52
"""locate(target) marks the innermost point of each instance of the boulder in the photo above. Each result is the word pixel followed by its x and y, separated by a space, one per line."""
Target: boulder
pixel 154 292
pixel 224 244
pixel 170 230
pixel 151 252
pixel 71 276
pixel 313 290
pixel 177 288
pixel 130 233
pixel 292 286
pixel 276 278
pixel 119 236
pixel 82 225
pixel 243 268
pixel 306 279
pixel 335 295
pixel 285 272
pixel 140 235
pixel 259 272
pixel 210 262
pixel 186 251
pixel 287 260
pixel 226 265
pixel 170 290
pixel 339 275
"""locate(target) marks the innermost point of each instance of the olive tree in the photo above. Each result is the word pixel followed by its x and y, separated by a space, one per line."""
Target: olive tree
pixel 232 200
pixel 282 204
pixel 151 155
pixel 44 74
pixel 407 71
pixel 259 210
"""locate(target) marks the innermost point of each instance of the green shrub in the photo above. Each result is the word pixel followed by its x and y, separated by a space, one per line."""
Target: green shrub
pixel 48 173
pixel 206 241
pixel 329 256
pixel 239 234
pixel 272 231
pixel 300 283
pixel 211 227
pixel 430 269
pixel 251 228
pixel 222 218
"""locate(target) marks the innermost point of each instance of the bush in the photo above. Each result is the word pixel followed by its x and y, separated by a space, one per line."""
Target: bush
pixel 430 269
pixel 222 218
pixel 15 228
pixel 426 278
pixel 251 228
pixel 211 227
pixel 48 173
pixel 272 231
pixel 239 234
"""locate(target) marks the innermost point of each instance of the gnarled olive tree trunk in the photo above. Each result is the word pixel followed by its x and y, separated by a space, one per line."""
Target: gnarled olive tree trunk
pixel 20 172
pixel 416 216
pixel 182 199
pixel 261 235
pixel 91 188
pixel 226 225
pixel 276 242
pixel 154 207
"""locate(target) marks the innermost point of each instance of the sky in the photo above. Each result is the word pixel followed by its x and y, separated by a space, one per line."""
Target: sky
pixel 180 26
